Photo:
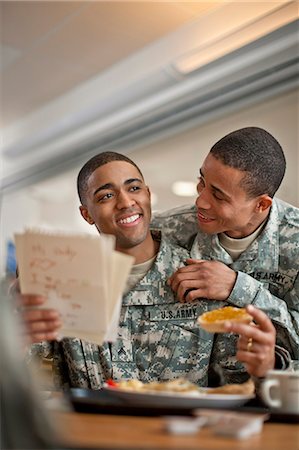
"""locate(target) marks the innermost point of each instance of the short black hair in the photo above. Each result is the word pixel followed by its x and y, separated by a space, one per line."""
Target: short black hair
pixel 257 153
pixel 94 163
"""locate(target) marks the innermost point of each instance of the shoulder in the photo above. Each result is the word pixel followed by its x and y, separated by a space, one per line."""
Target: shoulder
pixel 171 253
pixel 287 214
pixel 287 218
pixel 175 213
pixel 169 258
pixel 179 224
pixel 286 221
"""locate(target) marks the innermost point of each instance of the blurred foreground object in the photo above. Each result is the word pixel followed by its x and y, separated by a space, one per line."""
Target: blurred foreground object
pixel 24 423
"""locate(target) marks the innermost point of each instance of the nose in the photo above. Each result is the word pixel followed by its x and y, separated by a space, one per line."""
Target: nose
pixel 125 200
pixel 202 201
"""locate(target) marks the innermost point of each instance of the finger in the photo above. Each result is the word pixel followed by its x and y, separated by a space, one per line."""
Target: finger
pixel 242 343
pixel 29 300
pixel 33 315
pixel 194 261
pixel 248 359
pixel 255 370
pixel 192 294
pixel 176 279
pixel 260 339
pixel 183 281
pixel 186 287
pixel 39 337
pixel 253 358
pixel 190 268
pixel 243 330
pixel 184 270
pixel 250 346
pixel 49 326
pixel 172 280
pixel 260 318
pixel 247 331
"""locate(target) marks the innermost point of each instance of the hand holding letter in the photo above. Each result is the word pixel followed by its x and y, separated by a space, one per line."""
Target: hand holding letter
pixel 40 324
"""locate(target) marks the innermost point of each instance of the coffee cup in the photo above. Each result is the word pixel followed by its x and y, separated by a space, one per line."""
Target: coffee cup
pixel 280 391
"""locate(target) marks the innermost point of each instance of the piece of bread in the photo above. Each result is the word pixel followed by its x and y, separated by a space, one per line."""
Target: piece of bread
pixel 213 321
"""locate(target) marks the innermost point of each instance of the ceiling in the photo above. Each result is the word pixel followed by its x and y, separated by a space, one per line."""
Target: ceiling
pixel 48 48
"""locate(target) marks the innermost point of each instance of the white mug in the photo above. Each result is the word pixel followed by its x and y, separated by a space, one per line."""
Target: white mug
pixel 280 391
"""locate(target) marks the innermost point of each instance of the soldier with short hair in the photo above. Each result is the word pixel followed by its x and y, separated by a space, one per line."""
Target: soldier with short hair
pixel 158 337
pixel 244 242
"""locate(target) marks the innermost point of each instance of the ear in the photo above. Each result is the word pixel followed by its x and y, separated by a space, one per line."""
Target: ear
pixel 263 203
pixel 84 213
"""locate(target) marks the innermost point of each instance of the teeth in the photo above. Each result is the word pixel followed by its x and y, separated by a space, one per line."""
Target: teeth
pixel 129 219
pixel 203 216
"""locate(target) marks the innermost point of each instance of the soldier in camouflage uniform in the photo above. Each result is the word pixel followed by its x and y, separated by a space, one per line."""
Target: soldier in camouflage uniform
pixel 158 336
pixel 265 272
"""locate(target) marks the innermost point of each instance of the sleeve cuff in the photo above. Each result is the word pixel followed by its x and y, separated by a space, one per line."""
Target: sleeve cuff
pixel 244 291
pixel 282 362
pixel 282 358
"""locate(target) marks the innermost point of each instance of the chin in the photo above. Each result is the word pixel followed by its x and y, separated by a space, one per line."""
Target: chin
pixel 208 228
pixel 131 243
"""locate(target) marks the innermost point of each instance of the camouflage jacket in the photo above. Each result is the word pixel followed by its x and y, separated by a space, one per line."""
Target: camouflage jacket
pixel 267 272
pixel 158 339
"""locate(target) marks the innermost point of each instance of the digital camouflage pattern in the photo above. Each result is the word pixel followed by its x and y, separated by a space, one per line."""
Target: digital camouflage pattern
pixel 267 272
pixel 158 339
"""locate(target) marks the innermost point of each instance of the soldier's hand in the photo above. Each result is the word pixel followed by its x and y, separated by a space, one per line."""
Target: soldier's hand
pixel 256 344
pixel 40 324
pixel 203 279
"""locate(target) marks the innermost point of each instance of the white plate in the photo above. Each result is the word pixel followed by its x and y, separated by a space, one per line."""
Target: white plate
pixel 179 400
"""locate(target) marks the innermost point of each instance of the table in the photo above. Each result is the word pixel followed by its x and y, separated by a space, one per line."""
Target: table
pixel 144 433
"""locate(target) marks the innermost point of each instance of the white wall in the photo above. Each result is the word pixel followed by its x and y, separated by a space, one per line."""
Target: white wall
pixel 181 156
pixel 54 202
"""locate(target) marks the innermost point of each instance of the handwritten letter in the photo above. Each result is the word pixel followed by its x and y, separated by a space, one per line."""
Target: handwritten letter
pixel 82 276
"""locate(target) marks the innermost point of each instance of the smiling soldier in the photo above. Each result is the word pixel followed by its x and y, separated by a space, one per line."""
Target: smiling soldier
pixel 246 248
pixel 158 338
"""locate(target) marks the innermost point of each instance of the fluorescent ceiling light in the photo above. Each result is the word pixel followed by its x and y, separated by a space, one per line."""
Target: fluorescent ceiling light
pixel 211 51
pixel 184 188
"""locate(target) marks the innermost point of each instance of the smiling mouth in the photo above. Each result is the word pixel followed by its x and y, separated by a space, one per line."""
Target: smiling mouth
pixel 203 218
pixel 130 219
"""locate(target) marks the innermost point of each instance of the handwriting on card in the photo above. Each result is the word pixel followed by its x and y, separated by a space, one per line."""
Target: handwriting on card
pixel 79 275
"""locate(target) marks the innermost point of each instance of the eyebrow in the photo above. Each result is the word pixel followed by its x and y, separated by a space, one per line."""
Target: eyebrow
pixel 215 187
pixel 107 186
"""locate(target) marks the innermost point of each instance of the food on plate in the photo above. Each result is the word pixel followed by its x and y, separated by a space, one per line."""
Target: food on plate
pixel 213 321
pixel 177 385
pixel 183 386
pixel 247 388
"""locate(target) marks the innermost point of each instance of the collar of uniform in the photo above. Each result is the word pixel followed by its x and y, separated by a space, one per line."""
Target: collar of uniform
pixel 152 289
pixel 208 247
pixel 264 250
pixel 267 243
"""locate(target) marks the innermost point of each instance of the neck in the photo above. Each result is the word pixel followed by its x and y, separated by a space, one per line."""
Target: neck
pixel 144 251
pixel 249 229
